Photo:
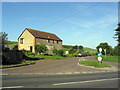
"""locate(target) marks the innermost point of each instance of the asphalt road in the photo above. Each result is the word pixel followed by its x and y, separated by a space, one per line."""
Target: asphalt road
pixel 91 80
pixel 58 66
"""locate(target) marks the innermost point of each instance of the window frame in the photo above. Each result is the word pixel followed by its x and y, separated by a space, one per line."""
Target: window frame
pixel 21 40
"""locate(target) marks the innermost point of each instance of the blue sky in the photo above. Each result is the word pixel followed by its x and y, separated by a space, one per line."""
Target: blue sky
pixel 76 23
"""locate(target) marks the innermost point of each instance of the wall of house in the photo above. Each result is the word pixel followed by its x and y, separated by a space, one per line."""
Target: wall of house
pixel 29 40
pixel 50 45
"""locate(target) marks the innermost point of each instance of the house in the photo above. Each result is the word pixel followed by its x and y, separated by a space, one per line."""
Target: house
pixel 29 38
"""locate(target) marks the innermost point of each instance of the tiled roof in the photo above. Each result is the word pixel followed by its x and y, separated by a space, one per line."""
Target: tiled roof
pixel 41 34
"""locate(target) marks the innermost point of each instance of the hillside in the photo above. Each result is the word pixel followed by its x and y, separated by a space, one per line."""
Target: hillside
pixel 86 49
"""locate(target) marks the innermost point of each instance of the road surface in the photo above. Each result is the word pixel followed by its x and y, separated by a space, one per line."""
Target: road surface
pixel 91 80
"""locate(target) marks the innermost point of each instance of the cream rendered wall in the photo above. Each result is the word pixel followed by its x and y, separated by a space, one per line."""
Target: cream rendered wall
pixel 29 40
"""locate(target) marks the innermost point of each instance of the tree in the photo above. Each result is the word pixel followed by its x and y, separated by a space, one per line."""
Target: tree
pixel 104 46
pixel 116 50
pixel 72 50
pixel 40 48
pixel 3 39
pixel 117 35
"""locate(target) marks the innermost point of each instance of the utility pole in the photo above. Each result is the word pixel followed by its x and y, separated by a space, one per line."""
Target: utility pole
pixel 105 53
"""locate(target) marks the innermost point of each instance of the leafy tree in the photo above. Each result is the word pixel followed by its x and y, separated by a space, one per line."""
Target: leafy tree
pixel 3 38
pixel 117 35
pixel 104 46
pixel 77 49
pixel 41 48
pixel 72 50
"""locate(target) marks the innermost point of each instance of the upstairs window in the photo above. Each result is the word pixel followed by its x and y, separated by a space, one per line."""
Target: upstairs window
pixel 57 42
pixel 21 40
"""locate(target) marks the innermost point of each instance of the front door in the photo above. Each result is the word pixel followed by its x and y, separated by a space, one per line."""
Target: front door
pixel 31 48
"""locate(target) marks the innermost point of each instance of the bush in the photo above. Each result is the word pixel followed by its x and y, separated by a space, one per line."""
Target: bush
pixel 15 47
pixel 55 51
pixel 71 51
pixel 28 53
pixel 58 52
pixel 12 57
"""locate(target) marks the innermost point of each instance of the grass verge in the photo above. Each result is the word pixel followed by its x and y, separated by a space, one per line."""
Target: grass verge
pixel 94 64
pixel 110 58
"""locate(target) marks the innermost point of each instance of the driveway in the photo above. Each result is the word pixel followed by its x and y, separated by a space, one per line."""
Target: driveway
pixel 68 65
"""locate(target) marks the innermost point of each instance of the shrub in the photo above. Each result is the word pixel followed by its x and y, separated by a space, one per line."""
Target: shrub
pixel 58 52
pixel 55 51
pixel 12 57
pixel 41 48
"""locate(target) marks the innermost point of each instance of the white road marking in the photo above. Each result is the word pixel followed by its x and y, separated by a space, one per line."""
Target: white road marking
pixel 12 87
pixel 66 83
pixel 4 74
pixel 78 64
pixel 68 73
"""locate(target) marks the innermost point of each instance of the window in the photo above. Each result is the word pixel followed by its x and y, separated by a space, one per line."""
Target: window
pixel 48 40
pixel 57 42
pixel 53 41
pixel 21 40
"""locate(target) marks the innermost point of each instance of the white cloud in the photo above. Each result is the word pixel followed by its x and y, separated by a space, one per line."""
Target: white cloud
pixel 104 22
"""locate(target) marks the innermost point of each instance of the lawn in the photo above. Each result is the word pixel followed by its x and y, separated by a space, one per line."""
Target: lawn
pixel 49 57
pixel 94 64
pixel 110 58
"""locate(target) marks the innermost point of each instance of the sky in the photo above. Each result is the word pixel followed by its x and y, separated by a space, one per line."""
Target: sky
pixel 76 23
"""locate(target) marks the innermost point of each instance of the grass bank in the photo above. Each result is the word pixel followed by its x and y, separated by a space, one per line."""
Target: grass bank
pixel 110 58
pixel 94 64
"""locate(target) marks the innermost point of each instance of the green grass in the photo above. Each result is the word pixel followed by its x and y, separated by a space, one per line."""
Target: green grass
pixel 110 58
pixel 94 64
pixel 49 57
pixel 92 51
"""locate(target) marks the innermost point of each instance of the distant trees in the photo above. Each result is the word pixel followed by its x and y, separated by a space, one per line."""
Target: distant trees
pixel 104 46
pixel 76 49
pixel 109 49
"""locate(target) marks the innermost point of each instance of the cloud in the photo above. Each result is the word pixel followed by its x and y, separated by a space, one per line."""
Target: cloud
pixel 104 22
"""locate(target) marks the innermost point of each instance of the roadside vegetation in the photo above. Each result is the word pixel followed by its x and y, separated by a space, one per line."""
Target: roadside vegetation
pixel 94 64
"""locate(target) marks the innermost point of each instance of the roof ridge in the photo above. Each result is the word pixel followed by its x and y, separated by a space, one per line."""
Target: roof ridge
pixel 39 31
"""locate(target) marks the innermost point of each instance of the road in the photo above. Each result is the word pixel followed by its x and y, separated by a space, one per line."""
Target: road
pixel 59 66
pixel 91 80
